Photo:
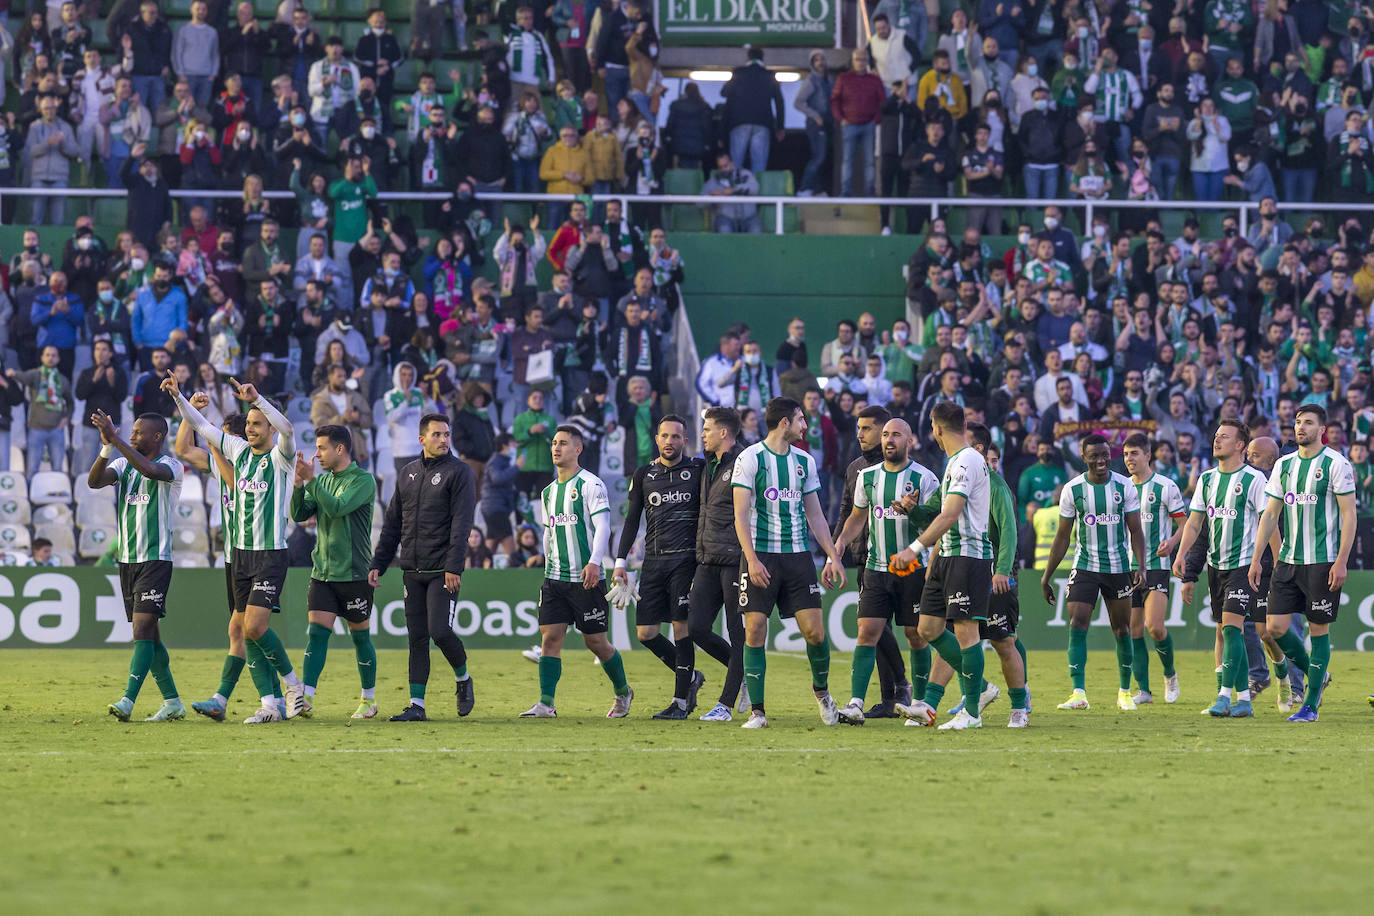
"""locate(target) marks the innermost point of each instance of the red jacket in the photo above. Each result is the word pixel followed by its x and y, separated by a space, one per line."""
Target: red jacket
pixel 567 236
pixel 858 98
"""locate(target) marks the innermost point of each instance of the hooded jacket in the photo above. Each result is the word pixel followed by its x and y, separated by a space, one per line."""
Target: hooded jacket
pixel 425 529
pixel 404 408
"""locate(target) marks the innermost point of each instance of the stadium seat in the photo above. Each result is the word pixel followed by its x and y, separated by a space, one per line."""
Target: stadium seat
pixel 12 484
pixel 298 410
pixel 49 487
pixel 192 488
pixel 94 541
pixel 181 9
pixel 684 217
pixel 777 184
pixel 82 491
pixel 62 558
pixel 192 540
pixel 397 11
pixel 97 513
pixel 189 515
pixel 62 536
pixel 263 8
pixel 55 514
pixel 14 509
pixel 16 537
pixel 350 32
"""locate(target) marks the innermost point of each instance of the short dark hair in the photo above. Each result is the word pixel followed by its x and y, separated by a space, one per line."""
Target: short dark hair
pixel 948 415
pixel 979 436
pixel 1092 439
pixel 1244 431
pixel 337 435
pixel 875 412
pixel 429 418
pixel 502 440
pixel 572 431
pixel 725 417
pixel 234 424
pixel 1320 412
pixel 902 384
pixel 779 409
pixel 672 418
pixel 40 543
pixel 1140 441
pixel 159 422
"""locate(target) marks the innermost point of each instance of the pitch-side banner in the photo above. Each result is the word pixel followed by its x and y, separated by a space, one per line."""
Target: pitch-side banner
pixel 498 609
pixel 733 23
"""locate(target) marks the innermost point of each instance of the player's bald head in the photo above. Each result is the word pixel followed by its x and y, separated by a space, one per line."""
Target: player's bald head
pixel 897 424
pixel 1262 453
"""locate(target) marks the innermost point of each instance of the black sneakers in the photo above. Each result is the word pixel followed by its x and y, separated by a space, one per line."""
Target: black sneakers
pixel 465 696
pixel 673 711
pixel 411 713
pixel 698 681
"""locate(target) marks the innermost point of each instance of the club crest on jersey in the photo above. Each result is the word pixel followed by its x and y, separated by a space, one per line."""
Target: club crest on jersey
pixel 1237 488
pixel 686 474
pixel 436 478
pixel 1116 497
pixel 573 496
pixel 909 486
pixel 1318 474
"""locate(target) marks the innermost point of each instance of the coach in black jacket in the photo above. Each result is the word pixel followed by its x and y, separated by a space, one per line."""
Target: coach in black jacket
pixel 428 520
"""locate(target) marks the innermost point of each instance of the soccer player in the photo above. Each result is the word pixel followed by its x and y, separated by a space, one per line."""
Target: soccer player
pixel 868 429
pixel 577 532
pixel 1228 499
pixel 341 501
pixel 1262 454
pixel 1313 489
pixel 959 580
pixel 883 595
pixel 1161 511
pixel 262 469
pixel 426 528
pixel 716 580
pixel 775 502
pixel 667 492
pixel 147 485
pixel 1105 508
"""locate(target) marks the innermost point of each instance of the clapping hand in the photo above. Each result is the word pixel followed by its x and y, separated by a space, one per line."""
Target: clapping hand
pixel 101 421
pixel 305 470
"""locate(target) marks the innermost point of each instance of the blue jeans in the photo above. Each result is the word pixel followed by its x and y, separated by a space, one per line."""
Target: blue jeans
pixel 751 141
pixel 119 151
pixel 617 87
pixel 1121 142
pixel 1164 172
pixel 857 140
pixel 726 225
pixel 1208 185
pixel 253 88
pixel 641 100
pixel 1051 49
pixel 151 90
pixel 525 176
pixel 54 442
pixel 1042 182
pixel 4 449
pixel 45 206
pixel 818 137
pixel 200 87
pixel 1299 185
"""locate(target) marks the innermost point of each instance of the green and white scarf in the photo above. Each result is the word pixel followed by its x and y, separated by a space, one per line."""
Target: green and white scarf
pixel 644 361
pixel 751 378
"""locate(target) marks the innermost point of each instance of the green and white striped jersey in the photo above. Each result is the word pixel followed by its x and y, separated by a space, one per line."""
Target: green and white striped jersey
pixel 1160 501
pixel 262 495
pixel 779 484
pixel 569 507
pixel 876 489
pixel 144 508
pixel 1311 516
pixel 967 475
pixel 1232 503
pixel 1104 541
pixel 226 507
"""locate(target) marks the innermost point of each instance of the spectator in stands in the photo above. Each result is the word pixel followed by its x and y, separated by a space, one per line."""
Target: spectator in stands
pixel 298 46
pixel 1208 133
pixel 813 101
pixel 148 55
pixel 159 309
pixel 606 160
pixel 526 130
pixel 566 168
pixel 124 123
pixel 533 431
pixel 50 408
pixel 523 343
pixel 379 55
pixel 689 135
pixel 58 315
pixel 639 414
pixel 845 378
pixel 195 53
pixel 243 46
pixel 49 147
pixel 340 404
pixel 753 112
pixel 333 87
pixel 102 386
pixel 528 55
pixel 856 105
pixel 11 396
pixel 844 344
pixel 941 84
pixel 593 267
pixel 498 490
pixel 404 405
pixel 729 181
pixel 474 436
pixel 715 378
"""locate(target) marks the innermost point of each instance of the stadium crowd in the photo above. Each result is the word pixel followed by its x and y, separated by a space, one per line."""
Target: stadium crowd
pixel 379 313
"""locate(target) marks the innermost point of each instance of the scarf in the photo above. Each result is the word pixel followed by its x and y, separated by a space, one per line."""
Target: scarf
pixel 643 359
pixel 644 435
pixel 49 391
pixel 662 262
pixel 753 378
pixel 815 442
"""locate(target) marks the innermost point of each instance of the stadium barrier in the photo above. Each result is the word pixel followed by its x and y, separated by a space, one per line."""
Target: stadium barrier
pixel 81 608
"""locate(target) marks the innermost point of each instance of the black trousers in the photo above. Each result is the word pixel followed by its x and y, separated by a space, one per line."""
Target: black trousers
pixel 429 617
pixel 714 586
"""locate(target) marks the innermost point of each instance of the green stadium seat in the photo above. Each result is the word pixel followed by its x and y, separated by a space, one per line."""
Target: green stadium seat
pixel 683 181
pixel 397 10
pixel 408 77
pixel 349 9
pixel 262 8
pixel 1171 222
pixel 1210 223
pixel 181 8
pixel 777 184
pixel 351 32
pixel 100 34
pixel 110 210
pixel 404 33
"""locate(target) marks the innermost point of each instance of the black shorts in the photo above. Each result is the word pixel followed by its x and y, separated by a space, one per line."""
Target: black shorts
pixel 890 596
pixel 569 602
pixel 791 587
pixel 259 577
pixel 229 586
pixel 350 600
pixel 1231 593
pixel 1303 590
pixel 498 525
pixel 663 591
pixel 144 587
pixel 1085 585
pixel 1004 616
pixel 1156 580
pixel 957 588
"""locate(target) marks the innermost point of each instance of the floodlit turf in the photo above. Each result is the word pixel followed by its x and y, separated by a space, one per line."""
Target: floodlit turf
pixel 1162 810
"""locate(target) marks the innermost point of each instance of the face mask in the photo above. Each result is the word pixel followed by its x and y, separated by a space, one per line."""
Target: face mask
pixel 1242 165
pixel 369 133
pixel 1032 69
pixel 390 273
pixel 1082 32
pixel 199 135
pixel 136 265
pixel 380 31
pixel 162 285
pixel 1100 231
pixel 1023 239
pixel 464 194
pixel 244 134
pixel 107 296
pixel 900 336
pixel 84 243
pixel 752 359
pixel 1042 104
pixel 1070 64
pixel 1085 116
pixel 298 120
pixel 1051 222
pixel 1145 44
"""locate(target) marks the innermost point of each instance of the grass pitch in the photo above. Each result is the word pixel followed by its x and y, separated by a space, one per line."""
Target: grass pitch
pixel 1163 810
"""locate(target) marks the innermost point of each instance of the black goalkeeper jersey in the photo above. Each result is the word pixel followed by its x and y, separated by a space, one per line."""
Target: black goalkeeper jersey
pixel 670 500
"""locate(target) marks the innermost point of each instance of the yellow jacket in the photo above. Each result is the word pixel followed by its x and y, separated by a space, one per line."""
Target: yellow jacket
pixel 949 91
pixel 559 159
pixel 608 162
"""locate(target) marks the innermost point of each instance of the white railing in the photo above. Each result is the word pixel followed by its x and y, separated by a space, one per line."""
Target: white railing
pixel 779 204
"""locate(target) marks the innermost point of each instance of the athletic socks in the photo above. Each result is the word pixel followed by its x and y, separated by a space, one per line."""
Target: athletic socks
pixel 755 668
pixel 1280 669
pixel 920 671
pixel 819 657
pixel 685 670
pixel 259 670
pixel 1124 659
pixel 865 657
pixel 1018 697
pixel 139 664
pixel 229 676
pixel 1021 651
pixel 417 695
pixel 934 694
pixel 1316 669
pixel 615 670
pixel 1235 662
pixel 1140 663
pixel 275 653
pixel 316 650
pixel 367 660
pixel 1078 657
pixel 1165 649
pixel 661 646
pixel 162 671
pixel 1220 685
pixel 949 650
pixel 971 676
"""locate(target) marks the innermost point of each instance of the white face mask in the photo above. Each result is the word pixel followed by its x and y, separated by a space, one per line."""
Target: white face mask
pixel 1082 32
pixel 1099 231
pixel 369 132
pixel 136 264
pixel 1042 104
pixel 244 134
pixel 1023 239
pixel 752 359
pixel 199 135
pixel 1051 222
pixel 1032 69
pixel 900 336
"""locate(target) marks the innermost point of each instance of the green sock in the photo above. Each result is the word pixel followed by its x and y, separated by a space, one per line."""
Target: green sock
pixel 258 669
pixel 275 651
pixel 615 670
pixel 367 658
pixel 1078 657
pixel 162 671
pixel 276 681
pixel 1234 659
pixel 1221 671
pixel 229 675
pixel 1165 649
pixel 755 667
pixel 1140 663
pixel 1316 670
pixel 1124 660
pixel 949 650
pixel 1021 650
pixel 1018 697
pixel 417 691
pixel 139 664
pixel 316 650
pixel 934 694
pixel 550 670
pixel 1280 669
pixel 864 659
pixel 971 676
pixel 920 671
pixel 1291 644
pixel 461 671
pixel 819 657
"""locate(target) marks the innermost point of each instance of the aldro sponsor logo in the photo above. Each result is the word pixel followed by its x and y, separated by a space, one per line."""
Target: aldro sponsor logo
pixel 886 512
pixel 1221 512
pixel 1102 518
pixel 253 486
pixel 670 498
pixel 1299 499
pixel 564 518
pixel 776 495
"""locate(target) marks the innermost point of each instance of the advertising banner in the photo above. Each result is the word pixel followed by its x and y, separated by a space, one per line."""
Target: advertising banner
pixel 734 23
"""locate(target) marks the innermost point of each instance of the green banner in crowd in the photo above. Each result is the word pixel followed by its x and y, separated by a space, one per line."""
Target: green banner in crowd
pixel 497 609
pixel 733 23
